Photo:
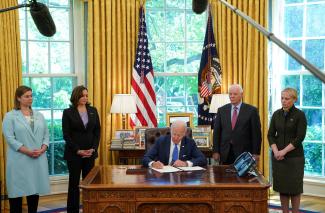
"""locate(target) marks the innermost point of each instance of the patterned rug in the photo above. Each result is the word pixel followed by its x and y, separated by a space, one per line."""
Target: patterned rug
pixel 272 209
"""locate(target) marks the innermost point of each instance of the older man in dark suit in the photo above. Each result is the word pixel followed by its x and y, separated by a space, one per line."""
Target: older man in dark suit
pixel 237 129
pixel 175 149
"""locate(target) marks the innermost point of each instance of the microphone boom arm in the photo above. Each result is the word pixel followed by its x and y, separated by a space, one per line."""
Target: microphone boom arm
pixel 14 7
pixel 277 41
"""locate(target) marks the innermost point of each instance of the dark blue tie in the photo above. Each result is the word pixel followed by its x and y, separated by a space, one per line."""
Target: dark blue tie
pixel 175 153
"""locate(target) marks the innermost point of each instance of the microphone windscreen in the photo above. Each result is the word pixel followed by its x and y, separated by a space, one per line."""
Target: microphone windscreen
pixel 42 19
pixel 199 6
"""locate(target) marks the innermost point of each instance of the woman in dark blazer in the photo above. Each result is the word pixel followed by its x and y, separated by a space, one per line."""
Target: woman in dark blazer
pixel 286 134
pixel 81 132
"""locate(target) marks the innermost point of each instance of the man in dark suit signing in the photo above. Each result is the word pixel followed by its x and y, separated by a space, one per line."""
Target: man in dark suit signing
pixel 175 149
pixel 237 129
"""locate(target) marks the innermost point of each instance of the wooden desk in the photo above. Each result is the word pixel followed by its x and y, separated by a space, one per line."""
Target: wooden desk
pixel 110 189
pixel 126 154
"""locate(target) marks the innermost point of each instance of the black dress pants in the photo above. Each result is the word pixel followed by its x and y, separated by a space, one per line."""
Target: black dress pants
pixel 231 156
pixel 16 204
pixel 76 167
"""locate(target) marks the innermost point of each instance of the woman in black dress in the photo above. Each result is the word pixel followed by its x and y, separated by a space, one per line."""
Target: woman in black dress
pixel 286 134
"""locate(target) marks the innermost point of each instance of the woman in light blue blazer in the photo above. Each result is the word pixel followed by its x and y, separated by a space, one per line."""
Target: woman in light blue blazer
pixel 27 140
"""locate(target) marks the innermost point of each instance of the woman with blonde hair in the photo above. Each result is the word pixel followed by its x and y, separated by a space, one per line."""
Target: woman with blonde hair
pixel 286 133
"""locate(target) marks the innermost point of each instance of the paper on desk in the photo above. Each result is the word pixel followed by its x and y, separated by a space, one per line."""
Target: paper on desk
pixel 167 169
pixel 194 168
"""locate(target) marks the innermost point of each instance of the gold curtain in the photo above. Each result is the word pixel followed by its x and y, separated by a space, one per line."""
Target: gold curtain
pixel 243 57
pixel 112 34
pixel 10 75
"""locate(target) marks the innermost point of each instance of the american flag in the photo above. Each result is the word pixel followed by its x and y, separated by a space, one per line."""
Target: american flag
pixel 142 83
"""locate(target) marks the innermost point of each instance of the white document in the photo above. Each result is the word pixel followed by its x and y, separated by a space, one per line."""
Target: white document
pixel 194 168
pixel 167 169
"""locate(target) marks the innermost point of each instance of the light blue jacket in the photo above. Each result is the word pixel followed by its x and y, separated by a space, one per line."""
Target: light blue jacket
pixel 25 175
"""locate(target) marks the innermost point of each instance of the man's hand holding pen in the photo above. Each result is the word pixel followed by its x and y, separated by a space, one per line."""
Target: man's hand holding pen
pixel 179 163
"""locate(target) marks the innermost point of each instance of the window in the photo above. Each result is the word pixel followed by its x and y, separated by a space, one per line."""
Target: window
pixel 48 69
pixel 300 23
pixel 176 38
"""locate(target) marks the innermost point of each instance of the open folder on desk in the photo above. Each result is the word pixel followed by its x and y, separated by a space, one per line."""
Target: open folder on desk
pixel 168 169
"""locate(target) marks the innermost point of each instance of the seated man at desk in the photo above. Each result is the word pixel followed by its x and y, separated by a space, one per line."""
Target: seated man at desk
pixel 175 149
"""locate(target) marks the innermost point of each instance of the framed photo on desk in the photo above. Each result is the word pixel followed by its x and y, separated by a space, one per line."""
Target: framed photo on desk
pixel 139 136
pixel 187 117
pixel 126 134
pixel 202 141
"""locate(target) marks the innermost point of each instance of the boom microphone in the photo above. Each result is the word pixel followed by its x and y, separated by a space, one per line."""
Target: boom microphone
pixel 199 6
pixel 42 19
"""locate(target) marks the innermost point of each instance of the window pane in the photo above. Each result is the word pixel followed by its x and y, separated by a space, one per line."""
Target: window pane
pixel 160 90
pixel 315 19
pixel 61 19
pixel 291 63
pixel 48 119
pixel 193 56
pixel 315 52
pixel 293 1
pixel 157 52
pixel 155 3
pixel 62 89
pixel 175 57
pixel 191 89
pixel 38 60
pixel 176 109
pixel 175 26
pixel 313 158
pixel 175 91
pixel 193 109
pixel 57 125
pixel 60 165
pixel 22 23
pixel 195 26
pixel 188 4
pixel 292 81
pixel 178 4
pixel 23 56
pixel 58 3
pixel 293 21
pixel 41 92
pixel 312 91
pixel 60 57
pixel 314 124
pixel 155 26
pixel 26 81
pixel 162 116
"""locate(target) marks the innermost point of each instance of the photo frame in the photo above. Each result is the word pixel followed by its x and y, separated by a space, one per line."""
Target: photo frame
pixel 139 134
pixel 187 117
pixel 202 141
pixel 125 134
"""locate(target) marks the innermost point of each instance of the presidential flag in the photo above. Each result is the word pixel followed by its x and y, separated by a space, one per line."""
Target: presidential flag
pixel 142 82
pixel 209 77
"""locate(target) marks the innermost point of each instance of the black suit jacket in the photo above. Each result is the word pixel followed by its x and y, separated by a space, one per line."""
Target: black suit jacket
pixel 245 137
pixel 161 150
pixel 76 135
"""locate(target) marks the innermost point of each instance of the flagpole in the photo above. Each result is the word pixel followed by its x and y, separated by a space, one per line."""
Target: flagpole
pixel 277 41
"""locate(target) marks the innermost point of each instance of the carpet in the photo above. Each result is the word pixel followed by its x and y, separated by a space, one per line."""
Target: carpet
pixel 272 209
